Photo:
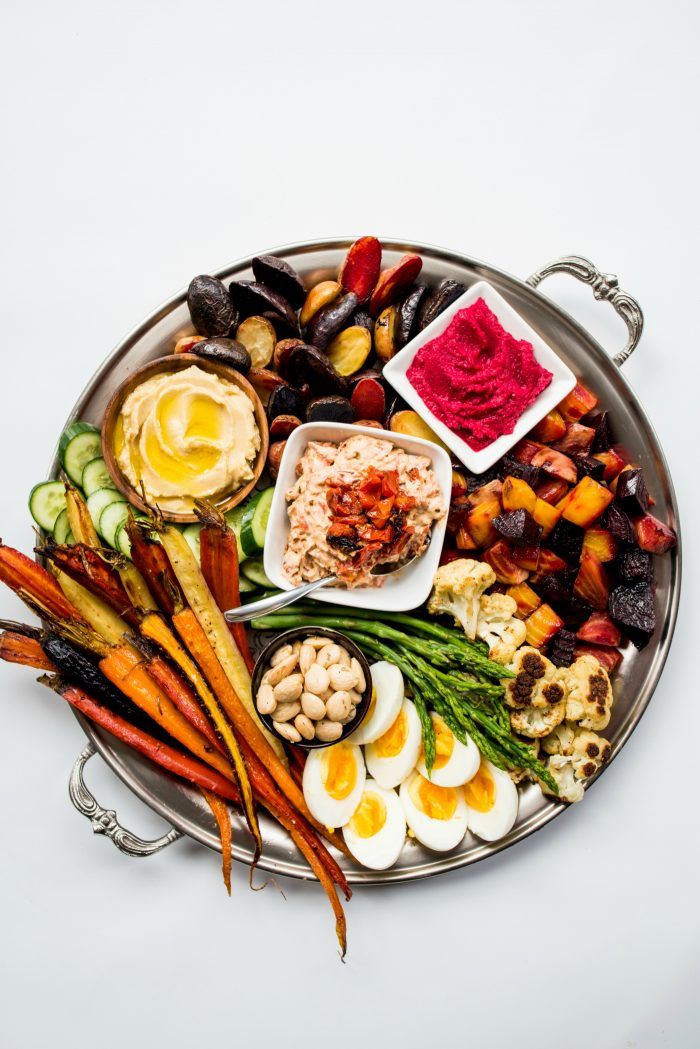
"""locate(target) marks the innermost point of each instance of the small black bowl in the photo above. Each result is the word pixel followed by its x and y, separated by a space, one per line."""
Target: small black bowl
pixel 298 634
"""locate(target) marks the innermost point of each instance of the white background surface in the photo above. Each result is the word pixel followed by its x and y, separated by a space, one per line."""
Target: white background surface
pixel 144 143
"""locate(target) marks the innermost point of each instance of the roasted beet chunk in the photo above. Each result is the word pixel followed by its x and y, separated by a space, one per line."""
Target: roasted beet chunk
pixel 562 651
pixel 631 494
pixel 566 540
pixel 555 589
pixel 616 521
pixel 508 466
pixel 635 565
pixel 587 466
pixel 476 481
pixel 600 422
pixel 519 526
pixel 632 605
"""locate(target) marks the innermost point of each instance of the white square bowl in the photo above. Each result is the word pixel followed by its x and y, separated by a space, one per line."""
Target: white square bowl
pixel 563 379
pixel 402 590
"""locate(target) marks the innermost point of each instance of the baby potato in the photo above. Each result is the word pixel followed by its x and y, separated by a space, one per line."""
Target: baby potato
pixel 320 295
pixel 258 336
pixel 385 333
pixel 349 349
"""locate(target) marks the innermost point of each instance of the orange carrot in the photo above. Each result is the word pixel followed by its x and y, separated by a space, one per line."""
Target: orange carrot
pixel 223 822
pixel 20 573
pixel 218 549
pixel 183 697
pixel 125 669
pixel 18 648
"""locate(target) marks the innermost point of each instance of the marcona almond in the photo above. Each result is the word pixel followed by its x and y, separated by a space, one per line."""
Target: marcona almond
pixel 289 689
pixel 287 711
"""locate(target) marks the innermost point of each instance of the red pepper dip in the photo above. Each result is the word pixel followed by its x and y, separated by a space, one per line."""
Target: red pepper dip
pixel 477 378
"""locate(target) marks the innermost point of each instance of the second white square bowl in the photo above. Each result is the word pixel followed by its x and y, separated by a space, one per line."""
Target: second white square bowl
pixel 563 379
pixel 402 590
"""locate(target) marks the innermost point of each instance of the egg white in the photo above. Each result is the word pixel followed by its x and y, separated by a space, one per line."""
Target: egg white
pixel 390 771
pixel 462 764
pixel 332 812
pixel 438 835
pixel 387 684
pixel 494 824
pixel 382 849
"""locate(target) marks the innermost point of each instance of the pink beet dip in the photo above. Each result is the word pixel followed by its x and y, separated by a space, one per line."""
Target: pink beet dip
pixel 476 378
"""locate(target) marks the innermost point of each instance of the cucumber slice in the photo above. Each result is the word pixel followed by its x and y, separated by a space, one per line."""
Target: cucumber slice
pixel 233 520
pixel 69 433
pixel 254 521
pixel 245 586
pixel 99 501
pixel 191 536
pixel 79 451
pixel 112 517
pixel 122 543
pixel 61 528
pixel 46 500
pixel 253 570
pixel 95 475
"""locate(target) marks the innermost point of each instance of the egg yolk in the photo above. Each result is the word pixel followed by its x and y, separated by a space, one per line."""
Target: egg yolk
pixel 394 739
pixel 370 815
pixel 372 706
pixel 444 744
pixel 438 803
pixel 339 771
pixel 480 792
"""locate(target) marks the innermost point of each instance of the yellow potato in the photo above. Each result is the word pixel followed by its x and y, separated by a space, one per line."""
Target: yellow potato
pixel 411 424
pixel 385 333
pixel 259 337
pixel 349 350
pixel 320 295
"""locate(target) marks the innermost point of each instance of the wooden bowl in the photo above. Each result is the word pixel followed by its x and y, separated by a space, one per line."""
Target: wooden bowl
pixel 161 366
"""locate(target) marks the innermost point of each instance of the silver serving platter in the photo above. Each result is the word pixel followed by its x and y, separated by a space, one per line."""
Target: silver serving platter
pixel 639 672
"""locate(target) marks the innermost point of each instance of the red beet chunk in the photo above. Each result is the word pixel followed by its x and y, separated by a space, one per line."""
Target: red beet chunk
pixel 616 521
pixel 519 527
pixel 599 629
pixel 562 651
pixel 509 466
pixel 653 535
pixel 631 493
pixel 600 421
pixel 632 605
pixel 567 540
pixel 587 466
pixel 635 565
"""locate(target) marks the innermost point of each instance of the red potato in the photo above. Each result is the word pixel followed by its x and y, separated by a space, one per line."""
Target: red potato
pixel 552 490
pixel 555 463
pixel 360 270
pixel 368 399
pixel 576 441
pixel 393 282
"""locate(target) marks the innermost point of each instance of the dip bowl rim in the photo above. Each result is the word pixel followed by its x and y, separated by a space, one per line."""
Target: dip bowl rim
pixel 161 366
pixel 294 634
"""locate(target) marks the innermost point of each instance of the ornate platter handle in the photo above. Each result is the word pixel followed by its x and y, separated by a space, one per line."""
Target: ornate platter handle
pixel 104 821
pixel 605 287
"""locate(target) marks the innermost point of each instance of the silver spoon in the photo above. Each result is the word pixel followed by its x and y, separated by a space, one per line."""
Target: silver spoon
pixel 266 605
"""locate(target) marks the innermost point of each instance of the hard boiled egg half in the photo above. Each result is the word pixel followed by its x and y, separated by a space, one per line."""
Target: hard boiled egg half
pixel 333 781
pixel 455 762
pixel 436 815
pixel 377 829
pixel 385 704
pixel 394 754
pixel 492 802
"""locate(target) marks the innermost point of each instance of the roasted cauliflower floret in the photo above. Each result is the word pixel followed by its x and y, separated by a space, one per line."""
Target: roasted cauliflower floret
pixel 537 682
pixel 535 722
pixel 576 754
pixel 498 627
pixel 457 588
pixel 526 775
pixel 590 697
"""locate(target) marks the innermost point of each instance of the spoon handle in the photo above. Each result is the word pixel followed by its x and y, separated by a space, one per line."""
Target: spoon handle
pixel 254 609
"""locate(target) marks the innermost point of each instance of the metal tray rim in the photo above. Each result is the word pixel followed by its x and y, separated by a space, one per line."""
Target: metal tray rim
pixel 552 809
